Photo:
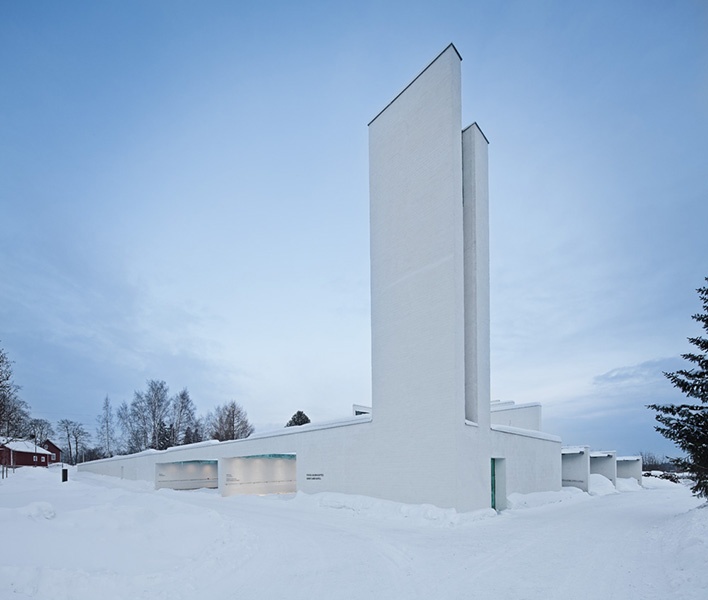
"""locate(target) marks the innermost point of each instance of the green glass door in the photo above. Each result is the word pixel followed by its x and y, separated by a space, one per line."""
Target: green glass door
pixel 494 484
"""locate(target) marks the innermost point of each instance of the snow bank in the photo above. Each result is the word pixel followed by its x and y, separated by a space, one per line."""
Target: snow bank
pixel 688 547
pixel 521 501
pixel 34 510
pixel 38 510
pixel 656 483
pixel 599 485
pixel 630 484
pixel 373 508
pixel 99 537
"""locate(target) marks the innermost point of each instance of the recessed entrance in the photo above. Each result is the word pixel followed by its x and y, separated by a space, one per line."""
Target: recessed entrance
pixel 258 474
pixel 186 475
pixel 498 483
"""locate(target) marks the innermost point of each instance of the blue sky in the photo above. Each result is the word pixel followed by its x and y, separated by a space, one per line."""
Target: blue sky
pixel 184 196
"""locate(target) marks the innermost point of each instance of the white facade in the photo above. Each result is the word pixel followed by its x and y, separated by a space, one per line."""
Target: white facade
pixel 429 437
pixel 604 463
pixel 525 416
pixel 187 475
pixel 630 467
pixel 576 467
pixel 269 474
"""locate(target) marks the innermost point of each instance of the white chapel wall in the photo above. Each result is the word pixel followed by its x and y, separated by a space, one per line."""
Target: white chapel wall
pixel 524 416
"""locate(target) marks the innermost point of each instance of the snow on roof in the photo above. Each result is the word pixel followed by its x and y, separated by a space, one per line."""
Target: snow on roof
pixel 497 406
pixel 25 446
pixel 627 458
pixel 354 420
pixel 532 433
pixel 602 454
pixel 496 403
pixel 574 449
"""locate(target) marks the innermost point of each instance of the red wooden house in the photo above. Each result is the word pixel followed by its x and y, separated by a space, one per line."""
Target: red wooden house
pixel 54 450
pixel 24 453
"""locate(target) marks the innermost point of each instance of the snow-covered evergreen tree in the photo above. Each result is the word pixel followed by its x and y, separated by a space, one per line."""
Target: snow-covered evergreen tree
pixel 687 424
pixel 299 418
pixel 165 434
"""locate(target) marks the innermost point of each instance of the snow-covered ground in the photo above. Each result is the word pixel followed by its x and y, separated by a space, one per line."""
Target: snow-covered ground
pixel 99 538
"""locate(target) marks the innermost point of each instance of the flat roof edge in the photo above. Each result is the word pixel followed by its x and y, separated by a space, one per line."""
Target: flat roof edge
pixel 357 420
pixel 503 407
pixel 539 435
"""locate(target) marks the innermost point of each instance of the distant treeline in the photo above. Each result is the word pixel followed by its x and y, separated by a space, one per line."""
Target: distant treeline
pixel 152 419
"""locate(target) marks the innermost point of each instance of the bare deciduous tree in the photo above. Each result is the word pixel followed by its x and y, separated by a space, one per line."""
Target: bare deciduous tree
pixel 65 427
pixel 40 429
pixel 14 412
pixel 133 423
pixel 155 405
pixel 182 417
pixel 145 420
pixel 228 422
pixel 651 461
pixel 106 429
pixel 81 439
pixel 77 439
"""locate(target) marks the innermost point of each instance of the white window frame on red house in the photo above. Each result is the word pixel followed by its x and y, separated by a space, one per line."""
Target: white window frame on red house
pixel 35 458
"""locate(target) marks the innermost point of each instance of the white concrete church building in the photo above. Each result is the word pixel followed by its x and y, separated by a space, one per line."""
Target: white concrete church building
pixel 431 435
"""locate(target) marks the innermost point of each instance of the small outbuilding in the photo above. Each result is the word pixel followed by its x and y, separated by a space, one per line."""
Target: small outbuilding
pixel 604 463
pixel 630 467
pixel 576 467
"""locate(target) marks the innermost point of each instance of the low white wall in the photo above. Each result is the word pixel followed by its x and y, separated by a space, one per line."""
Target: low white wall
pixel 532 459
pixel 576 467
pixel 139 466
pixel 275 474
pixel 355 457
pixel 187 475
pixel 523 416
pixel 342 452
pixel 605 464
pixel 630 466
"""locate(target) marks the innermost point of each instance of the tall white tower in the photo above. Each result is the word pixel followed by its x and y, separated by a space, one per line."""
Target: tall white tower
pixel 429 276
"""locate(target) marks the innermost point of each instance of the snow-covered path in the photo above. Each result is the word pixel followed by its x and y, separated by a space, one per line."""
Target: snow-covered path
pixel 101 538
